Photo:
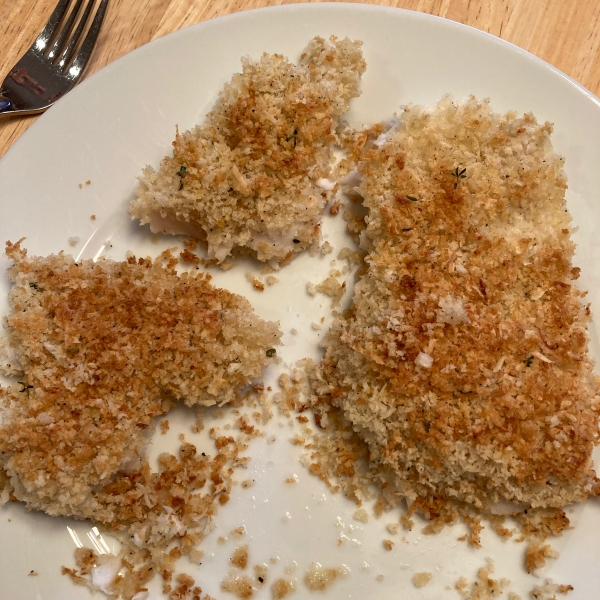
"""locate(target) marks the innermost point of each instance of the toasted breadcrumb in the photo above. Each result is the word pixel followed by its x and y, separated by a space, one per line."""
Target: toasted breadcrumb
pixel 326 248
pixel 282 588
pixel 257 284
pixel 388 544
pixel 483 588
pixel 536 555
pixel 549 591
pixel 187 256
pixel 251 177
pixel 393 528
pixel 239 558
pixel 420 580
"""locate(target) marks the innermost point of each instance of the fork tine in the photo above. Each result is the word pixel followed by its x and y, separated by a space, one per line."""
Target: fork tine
pixel 51 26
pixel 59 44
pixel 68 52
pixel 83 56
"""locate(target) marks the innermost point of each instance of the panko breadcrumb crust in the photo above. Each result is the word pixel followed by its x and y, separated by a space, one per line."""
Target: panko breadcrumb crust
pixel 463 362
pixel 102 348
pixel 253 177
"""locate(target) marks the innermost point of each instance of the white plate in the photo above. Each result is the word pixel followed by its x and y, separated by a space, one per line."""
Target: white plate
pixel 124 117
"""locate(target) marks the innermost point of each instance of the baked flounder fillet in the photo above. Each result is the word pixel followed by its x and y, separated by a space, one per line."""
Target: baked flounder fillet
pixel 464 361
pixel 253 178
pixel 101 349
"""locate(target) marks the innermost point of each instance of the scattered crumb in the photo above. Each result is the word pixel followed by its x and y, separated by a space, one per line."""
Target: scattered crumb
pixel 260 572
pixel 292 479
pixel 189 257
pixel 32 574
pixel 352 256
pixel 257 284
pixel 221 540
pixel 282 588
pixel 331 287
pixel 388 544
pixel 74 240
pixel 239 585
pixel 361 515
pixel 319 578
pixel 294 331
pixel 316 326
pixel 93 217
pixel 536 555
pixel 164 426
pixel 88 182
pixel 420 580
pixel 379 578
pixel 549 590
pixel 272 280
pixel 238 531
pixel 326 248
pixel 407 523
pixel 335 207
pixel 80 185
pixel 483 588
pixel 311 289
pixel 239 558
pixel 393 528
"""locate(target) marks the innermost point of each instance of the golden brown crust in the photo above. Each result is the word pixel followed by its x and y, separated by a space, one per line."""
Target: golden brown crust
pixel 103 348
pixel 464 361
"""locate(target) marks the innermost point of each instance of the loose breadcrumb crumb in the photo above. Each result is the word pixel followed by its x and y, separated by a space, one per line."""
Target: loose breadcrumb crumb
pixel 361 515
pixel 326 248
pixel 282 588
pixel 420 580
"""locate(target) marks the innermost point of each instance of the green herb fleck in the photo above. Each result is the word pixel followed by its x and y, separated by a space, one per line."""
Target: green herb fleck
pixel 35 286
pixel 271 352
pixel 72 351
pixel 528 361
pixel 458 174
pixel 412 198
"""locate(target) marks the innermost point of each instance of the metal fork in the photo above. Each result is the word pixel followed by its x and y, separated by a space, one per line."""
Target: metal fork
pixel 50 68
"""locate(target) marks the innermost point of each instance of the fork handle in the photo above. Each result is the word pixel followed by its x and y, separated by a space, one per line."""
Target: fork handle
pixel 5 103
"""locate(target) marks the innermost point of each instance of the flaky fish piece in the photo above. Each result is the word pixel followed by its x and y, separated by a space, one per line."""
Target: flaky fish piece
pixel 464 362
pixel 253 178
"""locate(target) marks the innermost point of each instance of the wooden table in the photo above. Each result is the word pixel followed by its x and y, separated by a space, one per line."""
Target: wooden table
pixel 566 33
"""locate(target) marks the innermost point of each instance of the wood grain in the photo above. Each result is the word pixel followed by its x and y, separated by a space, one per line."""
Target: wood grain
pixel 564 33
